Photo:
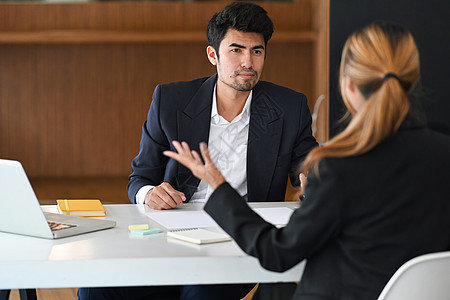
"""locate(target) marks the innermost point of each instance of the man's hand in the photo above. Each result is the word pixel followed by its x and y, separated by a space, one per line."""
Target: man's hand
pixel 303 182
pixel 164 196
pixel 191 159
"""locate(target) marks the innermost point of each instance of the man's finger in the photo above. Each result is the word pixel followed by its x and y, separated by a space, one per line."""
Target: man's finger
pixel 165 196
pixel 155 202
pixel 162 199
pixel 175 195
pixel 303 179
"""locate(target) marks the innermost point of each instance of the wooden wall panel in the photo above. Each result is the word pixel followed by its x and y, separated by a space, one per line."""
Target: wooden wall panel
pixel 78 111
pixel 155 16
pixel 291 65
pixel 321 66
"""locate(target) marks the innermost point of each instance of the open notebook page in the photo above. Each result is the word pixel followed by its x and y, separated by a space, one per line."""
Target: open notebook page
pixel 200 219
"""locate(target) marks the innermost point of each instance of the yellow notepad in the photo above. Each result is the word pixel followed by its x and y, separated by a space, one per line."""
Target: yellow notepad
pixel 199 236
pixel 81 208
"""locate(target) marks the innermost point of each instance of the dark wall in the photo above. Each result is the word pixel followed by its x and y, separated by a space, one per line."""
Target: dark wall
pixel 427 20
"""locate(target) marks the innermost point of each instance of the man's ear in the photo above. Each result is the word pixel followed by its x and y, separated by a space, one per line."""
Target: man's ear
pixel 212 56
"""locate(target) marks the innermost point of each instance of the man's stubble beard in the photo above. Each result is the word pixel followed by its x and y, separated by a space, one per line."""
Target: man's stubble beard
pixel 245 86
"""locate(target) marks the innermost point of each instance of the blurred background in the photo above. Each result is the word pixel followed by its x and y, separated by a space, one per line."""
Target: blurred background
pixel 76 80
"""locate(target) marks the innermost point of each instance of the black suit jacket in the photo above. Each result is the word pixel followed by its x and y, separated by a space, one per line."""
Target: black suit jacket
pixel 279 137
pixel 362 218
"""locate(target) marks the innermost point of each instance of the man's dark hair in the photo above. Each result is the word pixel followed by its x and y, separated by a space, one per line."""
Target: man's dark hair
pixel 241 16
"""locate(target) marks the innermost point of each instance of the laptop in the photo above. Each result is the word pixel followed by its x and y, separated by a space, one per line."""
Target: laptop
pixel 21 213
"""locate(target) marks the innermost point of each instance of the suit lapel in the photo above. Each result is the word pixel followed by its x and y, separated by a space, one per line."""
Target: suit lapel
pixel 265 132
pixel 195 120
pixel 193 124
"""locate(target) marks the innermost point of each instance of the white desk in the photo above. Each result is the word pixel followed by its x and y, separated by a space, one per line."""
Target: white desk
pixel 113 257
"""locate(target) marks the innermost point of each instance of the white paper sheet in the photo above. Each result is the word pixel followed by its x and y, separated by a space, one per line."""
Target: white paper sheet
pixel 275 215
pixel 200 219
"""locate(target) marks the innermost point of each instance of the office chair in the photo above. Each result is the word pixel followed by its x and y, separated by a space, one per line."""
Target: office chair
pixel 423 277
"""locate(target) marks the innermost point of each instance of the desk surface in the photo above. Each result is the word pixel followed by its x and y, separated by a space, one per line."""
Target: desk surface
pixel 113 257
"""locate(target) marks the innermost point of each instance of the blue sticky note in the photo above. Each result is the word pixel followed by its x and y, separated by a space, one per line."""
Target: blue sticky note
pixel 146 232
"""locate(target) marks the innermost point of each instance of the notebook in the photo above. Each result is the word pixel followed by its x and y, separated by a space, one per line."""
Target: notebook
pixel 199 236
pixel 81 207
pixel 20 212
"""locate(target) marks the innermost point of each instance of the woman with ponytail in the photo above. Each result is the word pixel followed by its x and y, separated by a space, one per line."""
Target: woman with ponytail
pixel 379 68
pixel 377 193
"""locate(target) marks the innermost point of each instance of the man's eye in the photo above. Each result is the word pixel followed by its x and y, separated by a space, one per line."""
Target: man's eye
pixel 235 50
pixel 257 52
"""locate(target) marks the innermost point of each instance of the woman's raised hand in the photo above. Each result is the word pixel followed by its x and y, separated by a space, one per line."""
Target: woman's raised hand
pixel 206 171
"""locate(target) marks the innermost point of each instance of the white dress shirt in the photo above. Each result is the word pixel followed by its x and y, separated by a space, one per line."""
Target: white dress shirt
pixel 227 146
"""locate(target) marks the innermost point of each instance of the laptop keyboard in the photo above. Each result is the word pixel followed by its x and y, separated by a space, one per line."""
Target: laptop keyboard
pixel 58 226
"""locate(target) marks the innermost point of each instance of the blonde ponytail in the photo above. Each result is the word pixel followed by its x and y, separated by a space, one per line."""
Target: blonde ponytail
pixel 383 61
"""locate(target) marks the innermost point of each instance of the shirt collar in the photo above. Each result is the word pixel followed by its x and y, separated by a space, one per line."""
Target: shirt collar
pixel 245 113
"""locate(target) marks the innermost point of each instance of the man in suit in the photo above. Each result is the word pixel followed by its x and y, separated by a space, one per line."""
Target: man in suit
pixel 258 133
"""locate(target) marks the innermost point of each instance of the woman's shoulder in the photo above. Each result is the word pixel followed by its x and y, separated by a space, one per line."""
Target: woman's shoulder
pixel 404 146
pixel 421 138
